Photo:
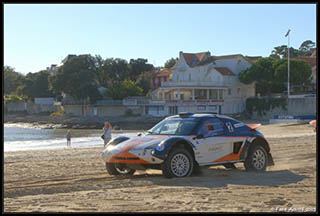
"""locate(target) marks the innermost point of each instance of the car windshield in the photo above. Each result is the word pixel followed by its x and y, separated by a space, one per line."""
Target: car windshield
pixel 176 126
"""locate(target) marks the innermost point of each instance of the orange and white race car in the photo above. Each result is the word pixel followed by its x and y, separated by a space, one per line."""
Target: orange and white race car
pixel 180 144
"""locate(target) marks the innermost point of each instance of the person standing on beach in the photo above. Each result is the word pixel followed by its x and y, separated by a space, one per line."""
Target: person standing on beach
pixel 68 138
pixel 106 132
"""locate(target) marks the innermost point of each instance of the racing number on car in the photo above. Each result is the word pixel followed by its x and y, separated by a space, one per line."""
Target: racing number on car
pixel 229 126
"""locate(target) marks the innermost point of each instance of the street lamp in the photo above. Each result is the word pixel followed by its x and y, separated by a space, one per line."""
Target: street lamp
pixel 287 35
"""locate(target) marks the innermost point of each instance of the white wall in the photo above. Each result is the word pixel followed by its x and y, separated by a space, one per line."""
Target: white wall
pixel 48 100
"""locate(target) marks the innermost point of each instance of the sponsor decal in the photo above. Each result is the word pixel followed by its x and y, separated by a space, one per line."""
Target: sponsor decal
pixel 229 126
pixel 238 125
pixel 215 148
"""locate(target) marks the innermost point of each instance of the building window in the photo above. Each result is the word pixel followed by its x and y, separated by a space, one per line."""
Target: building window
pixel 200 94
pixel 220 94
pixel 201 107
pixel 244 93
pixel 189 77
pixel 238 91
pixel 213 107
pixel 229 91
pixel 213 94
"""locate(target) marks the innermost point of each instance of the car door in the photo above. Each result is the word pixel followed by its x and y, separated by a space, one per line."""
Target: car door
pixel 214 145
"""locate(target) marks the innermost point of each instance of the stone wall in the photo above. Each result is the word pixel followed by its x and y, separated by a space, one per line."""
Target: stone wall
pixel 30 108
pixel 295 106
pixel 80 110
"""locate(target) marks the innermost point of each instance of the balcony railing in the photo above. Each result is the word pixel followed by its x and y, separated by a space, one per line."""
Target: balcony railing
pixel 197 101
pixel 192 84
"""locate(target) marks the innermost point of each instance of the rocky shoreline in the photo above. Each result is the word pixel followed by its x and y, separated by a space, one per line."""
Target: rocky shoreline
pixel 80 122
pixel 94 122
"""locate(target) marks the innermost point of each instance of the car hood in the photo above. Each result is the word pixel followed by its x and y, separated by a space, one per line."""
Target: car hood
pixel 138 143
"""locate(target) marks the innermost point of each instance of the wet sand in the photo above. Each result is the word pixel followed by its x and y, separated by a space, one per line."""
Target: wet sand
pixel 75 180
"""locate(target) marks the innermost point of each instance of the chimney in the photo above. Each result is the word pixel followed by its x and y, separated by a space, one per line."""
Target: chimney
pixel 180 54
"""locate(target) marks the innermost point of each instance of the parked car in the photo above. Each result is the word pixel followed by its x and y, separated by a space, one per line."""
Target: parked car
pixel 180 144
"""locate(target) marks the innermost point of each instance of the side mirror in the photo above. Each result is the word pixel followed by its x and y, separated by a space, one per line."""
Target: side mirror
pixel 210 128
pixel 199 136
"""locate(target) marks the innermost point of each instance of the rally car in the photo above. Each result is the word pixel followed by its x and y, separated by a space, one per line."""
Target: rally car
pixel 180 144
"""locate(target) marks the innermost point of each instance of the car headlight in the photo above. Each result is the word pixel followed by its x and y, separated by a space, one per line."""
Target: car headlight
pixel 160 147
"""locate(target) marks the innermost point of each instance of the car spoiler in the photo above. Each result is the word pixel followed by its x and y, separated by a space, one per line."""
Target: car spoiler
pixel 253 126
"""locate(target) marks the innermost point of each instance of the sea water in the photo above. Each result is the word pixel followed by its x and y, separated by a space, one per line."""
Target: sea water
pixel 20 137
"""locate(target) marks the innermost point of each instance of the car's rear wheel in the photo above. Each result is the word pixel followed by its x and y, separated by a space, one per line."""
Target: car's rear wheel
pixel 257 159
pixel 179 163
pixel 119 169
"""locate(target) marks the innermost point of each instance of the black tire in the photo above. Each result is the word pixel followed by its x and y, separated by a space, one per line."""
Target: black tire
pixel 116 169
pixel 257 159
pixel 179 163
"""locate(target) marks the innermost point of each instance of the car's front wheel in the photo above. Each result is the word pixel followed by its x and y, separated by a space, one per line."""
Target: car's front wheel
pixel 257 159
pixel 179 163
pixel 119 169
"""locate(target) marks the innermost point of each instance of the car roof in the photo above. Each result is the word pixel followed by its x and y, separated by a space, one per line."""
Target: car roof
pixel 201 115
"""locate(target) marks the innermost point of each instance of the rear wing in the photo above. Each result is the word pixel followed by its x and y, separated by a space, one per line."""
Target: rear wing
pixel 253 126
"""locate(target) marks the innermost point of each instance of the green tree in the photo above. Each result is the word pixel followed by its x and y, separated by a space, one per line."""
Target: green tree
pixel 100 76
pixel 124 89
pixel 305 48
pixel 36 85
pixel 171 62
pixel 262 73
pixel 115 70
pixel 137 67
pixel 282 52
pixel 300 71
pixel 145 83
pixel 12 80
pixel 77 77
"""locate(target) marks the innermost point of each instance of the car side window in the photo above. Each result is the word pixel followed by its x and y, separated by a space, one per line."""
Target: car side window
pixel 211 127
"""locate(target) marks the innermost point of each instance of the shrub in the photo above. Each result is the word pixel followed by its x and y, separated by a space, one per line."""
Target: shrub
pixel 13 98
pixel 261 105
pixel 58 113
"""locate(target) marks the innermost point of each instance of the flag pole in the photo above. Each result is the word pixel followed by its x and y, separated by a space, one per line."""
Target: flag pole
pixel 288 62
pixel 288 66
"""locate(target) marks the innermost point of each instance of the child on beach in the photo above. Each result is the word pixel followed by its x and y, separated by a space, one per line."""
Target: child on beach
pixel 106 132
pixel 68 138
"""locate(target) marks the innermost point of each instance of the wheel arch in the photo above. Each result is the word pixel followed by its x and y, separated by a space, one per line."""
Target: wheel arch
pixel 249 145
pixel 183 144
pixel 172 143
pixel 260 141
pixel 257 141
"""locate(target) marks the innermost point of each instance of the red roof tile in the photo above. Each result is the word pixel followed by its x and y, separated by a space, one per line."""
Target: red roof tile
pixel 228 56
pixel 193 59
pixel 312 61
pixel 250 59
pixel 225 71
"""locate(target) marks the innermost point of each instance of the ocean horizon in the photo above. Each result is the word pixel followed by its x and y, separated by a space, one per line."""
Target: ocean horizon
pixel 22 137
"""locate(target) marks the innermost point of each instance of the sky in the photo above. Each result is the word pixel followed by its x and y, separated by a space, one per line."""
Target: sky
pixel 38 35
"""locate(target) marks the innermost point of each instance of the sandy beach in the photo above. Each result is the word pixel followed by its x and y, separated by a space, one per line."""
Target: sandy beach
pixel 75 180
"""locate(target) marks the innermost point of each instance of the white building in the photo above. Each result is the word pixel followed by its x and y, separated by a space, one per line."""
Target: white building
pixel 203 83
